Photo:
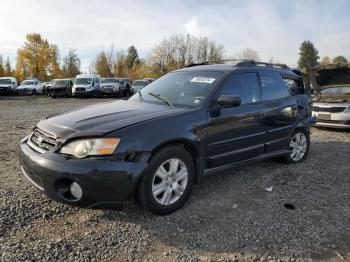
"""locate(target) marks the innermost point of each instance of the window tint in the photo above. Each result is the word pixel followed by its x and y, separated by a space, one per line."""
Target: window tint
pixel 245 86
pixel 273 86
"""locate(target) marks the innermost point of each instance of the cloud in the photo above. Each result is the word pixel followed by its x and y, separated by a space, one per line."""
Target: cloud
pixel 272 28
pixel 192 27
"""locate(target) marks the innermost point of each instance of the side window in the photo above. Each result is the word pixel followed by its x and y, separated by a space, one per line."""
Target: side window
pixel 295 86
pixel 245 85
pixel 272 85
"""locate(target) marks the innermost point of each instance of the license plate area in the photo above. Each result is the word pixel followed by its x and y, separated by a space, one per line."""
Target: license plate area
pixel 324 116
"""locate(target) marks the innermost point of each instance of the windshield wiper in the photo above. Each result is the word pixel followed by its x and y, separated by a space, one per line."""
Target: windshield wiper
pixel 164 99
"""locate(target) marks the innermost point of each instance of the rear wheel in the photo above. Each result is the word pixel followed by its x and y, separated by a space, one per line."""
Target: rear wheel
pixel 299 145
pixel 167 182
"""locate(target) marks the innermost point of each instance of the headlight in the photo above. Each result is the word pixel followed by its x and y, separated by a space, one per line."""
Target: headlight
pixel 91 147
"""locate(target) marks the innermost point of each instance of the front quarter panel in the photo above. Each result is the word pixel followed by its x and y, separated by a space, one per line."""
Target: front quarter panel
pixel 189 126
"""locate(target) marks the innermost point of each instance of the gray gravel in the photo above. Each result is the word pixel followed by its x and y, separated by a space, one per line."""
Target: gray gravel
pixel 229 217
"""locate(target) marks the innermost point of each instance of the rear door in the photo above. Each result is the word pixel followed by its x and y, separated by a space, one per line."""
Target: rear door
pixel 236 134
pixel 280 110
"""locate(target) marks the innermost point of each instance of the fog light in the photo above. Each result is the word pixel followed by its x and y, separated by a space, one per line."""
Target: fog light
pixel 76 190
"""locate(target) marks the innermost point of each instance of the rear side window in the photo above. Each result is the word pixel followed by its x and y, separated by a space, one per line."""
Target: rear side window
pixel 245 86
pixel 273 86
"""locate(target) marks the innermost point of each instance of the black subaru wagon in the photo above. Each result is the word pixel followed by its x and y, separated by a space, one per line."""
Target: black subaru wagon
pixel 156 145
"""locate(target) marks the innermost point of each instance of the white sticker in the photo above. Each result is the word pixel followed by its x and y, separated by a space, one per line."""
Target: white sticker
pixel 202 79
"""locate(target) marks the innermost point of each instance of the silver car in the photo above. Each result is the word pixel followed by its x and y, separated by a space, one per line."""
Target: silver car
pixel 332 95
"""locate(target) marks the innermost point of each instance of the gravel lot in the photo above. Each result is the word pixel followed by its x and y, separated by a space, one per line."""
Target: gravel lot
pixel 229 217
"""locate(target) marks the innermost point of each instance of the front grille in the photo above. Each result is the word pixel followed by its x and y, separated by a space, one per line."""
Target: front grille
pixel 80 89
pixel 337 109
pixel 41 141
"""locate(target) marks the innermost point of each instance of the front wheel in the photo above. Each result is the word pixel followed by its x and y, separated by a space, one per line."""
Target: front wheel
pixel 167 182
pixel 299 146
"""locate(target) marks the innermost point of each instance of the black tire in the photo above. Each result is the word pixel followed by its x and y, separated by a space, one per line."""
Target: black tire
pixel 288 159
pixel 34 92
pixel 144 195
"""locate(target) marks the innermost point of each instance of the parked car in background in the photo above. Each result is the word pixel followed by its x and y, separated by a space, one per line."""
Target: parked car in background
pixel 126 85
pixel 8 85
pixel 61 88
pixel 30 86
pixel 86 85
pixel 110 86
pixel 46 87
pixel 187 124
pixel 149 79
pixel 138 85
pixel 332 95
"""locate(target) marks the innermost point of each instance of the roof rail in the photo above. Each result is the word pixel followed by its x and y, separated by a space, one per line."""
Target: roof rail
pixel 256 63
pixel 240 62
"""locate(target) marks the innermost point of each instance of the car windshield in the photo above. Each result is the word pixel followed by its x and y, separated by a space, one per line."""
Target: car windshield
pixel 83 81
pixel 183 89
pixel 5 81
pixel 109 80
pixel 27 83
pixel 337 90
pixel 61 82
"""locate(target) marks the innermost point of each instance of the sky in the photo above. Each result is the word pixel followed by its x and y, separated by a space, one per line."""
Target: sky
pixel 274 28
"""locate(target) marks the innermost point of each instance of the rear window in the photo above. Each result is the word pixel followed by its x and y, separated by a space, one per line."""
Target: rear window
pixel 273 86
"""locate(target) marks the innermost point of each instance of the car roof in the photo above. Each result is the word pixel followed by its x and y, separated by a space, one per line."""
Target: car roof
pixel 227 68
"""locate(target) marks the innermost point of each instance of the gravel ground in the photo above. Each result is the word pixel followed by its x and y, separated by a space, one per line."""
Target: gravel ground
pixel 229 217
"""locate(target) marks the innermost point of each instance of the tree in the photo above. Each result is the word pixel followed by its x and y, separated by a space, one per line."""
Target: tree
pixel 132 57
pixel 102 66
pixel 325 60
pixel 340 60
pixel 248 54
pixel 2 69
pixel 71 65
pixel 178 51
pixel 308 56
pixel 119 65
pixel 37 57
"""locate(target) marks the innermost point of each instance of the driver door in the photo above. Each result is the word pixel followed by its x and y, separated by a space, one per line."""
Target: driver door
pixel 236 133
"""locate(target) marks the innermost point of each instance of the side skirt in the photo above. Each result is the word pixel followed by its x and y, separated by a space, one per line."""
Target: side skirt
pixel 258 158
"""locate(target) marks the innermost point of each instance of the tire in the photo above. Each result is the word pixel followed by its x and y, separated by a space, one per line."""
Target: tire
pixel 165 195
pixel 34 92
pixel 299 143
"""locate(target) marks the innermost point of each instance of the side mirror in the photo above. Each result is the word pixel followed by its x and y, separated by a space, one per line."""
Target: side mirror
pixel 229 101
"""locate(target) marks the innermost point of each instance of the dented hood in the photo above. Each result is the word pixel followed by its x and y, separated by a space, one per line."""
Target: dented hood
pixel 101 119
pixel 330 75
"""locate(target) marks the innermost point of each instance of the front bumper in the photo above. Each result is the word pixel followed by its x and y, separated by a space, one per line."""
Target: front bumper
pixel 333 120
pixel 26 91
pixel 105 183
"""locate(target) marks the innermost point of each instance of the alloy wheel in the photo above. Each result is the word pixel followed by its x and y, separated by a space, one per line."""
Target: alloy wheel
pixel 298 145
pixel 170 181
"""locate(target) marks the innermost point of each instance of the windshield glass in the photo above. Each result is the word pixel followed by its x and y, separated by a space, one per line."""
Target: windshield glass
pixel 27 83
pixel 336 90
pixel 109 80
pixel 5 81
pixel 61 82
pixel 83 81
pixel 184 89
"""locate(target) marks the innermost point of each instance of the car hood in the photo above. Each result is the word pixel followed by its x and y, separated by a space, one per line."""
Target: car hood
pixel 101 119
pixel 330 75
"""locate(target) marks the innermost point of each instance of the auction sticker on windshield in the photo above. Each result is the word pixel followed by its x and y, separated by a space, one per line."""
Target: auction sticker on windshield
pixel 201 79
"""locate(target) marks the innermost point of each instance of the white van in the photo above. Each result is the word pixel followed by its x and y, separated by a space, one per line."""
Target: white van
pixel 8 85
pixel 86 85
